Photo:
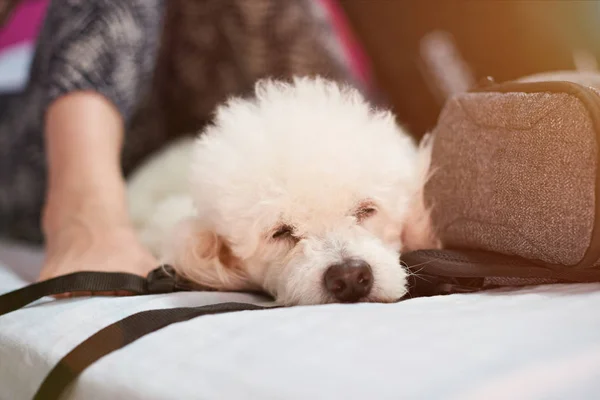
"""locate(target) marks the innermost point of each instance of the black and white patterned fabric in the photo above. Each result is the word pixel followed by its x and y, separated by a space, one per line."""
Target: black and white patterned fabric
pixel 163 64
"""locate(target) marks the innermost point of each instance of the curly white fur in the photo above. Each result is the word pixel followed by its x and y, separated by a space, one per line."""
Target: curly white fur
pixel 309 155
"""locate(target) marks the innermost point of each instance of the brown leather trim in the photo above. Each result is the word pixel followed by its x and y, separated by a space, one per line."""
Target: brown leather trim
pixel 475 264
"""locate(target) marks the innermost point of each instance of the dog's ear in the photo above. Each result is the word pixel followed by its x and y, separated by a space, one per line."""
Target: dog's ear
pixel 417 228
pixel 203 257
pixel 417 232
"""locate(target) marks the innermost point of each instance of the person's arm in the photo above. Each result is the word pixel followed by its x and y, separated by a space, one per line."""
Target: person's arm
pixel 83 139
pixel 85 220
pixel 93 63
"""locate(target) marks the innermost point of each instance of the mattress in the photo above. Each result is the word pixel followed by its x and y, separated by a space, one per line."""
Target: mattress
pixel 534 343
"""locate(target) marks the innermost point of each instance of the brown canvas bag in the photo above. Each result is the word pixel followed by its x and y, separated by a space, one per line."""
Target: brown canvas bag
pixel 515 185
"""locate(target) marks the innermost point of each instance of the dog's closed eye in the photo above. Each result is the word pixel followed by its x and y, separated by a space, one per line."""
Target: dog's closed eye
pixel 364 211
pixel 283 232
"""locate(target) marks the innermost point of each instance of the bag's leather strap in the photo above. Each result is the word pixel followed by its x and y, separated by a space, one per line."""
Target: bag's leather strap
pixel 161 280
pixel 432 273
pixel 119 335
pixel 164 280
pixel 469 264
pixel 115 336
pixel 129 329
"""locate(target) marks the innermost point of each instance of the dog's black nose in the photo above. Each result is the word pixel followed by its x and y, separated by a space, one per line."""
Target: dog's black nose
pixel 350 280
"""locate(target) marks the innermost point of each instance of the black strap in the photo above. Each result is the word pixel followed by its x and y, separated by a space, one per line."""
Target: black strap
pixel 119 335
pixel 433 272
pixel 463 266
pixel 160 280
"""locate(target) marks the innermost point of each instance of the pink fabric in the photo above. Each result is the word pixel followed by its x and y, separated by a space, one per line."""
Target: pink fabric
pixel 24 24
pixel 359 61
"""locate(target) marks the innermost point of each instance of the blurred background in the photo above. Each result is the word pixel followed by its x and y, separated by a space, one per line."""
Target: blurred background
pixel 417 52
pixel 420 50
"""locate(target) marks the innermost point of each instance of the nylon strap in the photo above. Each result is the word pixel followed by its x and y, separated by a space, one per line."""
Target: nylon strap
pixel 119 335
pixel 459 264
pixel 76 282
pixel 160 280
pixel 433 272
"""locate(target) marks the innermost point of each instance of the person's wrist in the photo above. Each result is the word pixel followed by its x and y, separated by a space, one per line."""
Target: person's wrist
pixel 100 205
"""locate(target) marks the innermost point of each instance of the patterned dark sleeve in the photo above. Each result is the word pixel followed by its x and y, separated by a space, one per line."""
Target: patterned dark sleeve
pixel 106 46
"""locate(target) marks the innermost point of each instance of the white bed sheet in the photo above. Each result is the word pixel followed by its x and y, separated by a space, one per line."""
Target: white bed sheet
pixel 535 343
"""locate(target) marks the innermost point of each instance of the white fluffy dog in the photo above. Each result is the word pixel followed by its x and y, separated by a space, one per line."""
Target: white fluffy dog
pixel 303 191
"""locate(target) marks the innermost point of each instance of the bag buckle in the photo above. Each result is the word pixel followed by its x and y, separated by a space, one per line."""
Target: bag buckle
pixel 162 280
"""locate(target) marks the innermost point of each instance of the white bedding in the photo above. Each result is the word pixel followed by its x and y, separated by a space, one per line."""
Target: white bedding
pixel 536 343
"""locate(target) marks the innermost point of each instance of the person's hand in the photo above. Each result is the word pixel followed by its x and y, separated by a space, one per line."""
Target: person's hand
pixel 92 241
pixel 86 222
